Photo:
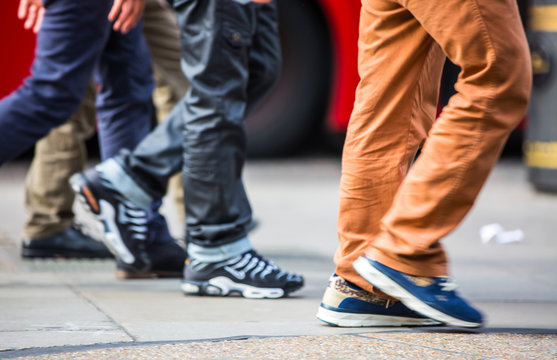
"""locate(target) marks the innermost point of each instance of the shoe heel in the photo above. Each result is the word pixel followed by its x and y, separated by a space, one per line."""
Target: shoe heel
pixel 84 192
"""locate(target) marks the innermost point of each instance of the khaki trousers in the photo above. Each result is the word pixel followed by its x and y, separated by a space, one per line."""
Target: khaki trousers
pixel 395 212
pixel 48 196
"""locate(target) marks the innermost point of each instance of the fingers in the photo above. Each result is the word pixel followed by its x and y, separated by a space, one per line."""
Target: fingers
pixel 22 10
pixel 32 12
pixel 115 10
pixel 39 22
pixel 126 10
pixel 127 14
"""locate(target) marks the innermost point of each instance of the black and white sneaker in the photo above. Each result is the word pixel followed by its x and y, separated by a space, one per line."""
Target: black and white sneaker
pixel 123 225
pixel 249 274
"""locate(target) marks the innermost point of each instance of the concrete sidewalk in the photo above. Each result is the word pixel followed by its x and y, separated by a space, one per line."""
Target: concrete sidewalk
pixel 76 309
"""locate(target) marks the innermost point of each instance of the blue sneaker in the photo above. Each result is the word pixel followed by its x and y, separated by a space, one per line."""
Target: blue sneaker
pixel 434 297
pixel 347 305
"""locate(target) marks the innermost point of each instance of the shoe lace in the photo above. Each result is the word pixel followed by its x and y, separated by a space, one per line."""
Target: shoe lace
pixel 256 266
pixel 447 284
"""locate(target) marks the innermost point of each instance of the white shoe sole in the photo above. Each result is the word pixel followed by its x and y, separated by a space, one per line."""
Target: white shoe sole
pixel 341 319
pixel 104 220
pixel 390 287
pixel 223 286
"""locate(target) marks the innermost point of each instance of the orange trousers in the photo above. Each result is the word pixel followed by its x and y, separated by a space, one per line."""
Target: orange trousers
pixel 395 212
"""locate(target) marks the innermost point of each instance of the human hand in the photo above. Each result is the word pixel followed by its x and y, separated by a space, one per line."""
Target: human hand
pixel 127 14
pixel 32 11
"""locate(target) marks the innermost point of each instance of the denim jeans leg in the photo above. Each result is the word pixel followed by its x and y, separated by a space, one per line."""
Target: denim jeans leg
pixel 68 46
pixel 124 106
pixel 215 60
pixel 157 157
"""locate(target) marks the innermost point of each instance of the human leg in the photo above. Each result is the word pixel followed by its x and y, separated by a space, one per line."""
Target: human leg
pixel 57 156
pixel 216 63
pixel 124 107
pixel 63 152
pixel 225 66
pixel 125 119
pixel 487 41
pixel 382 139
pixel 64 61
pixel 211 111
pixel 265 56
pixel 466 140
pixel 49 230
pixel 163 37
pixel 381 143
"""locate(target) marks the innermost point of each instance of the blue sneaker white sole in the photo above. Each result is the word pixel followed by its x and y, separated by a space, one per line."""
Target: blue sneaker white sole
pixel 345 304
pixel 389 286
pixel 344 319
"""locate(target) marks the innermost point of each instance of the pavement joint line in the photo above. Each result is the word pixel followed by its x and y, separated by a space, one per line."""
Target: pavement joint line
pixel 89 301
pixel 476 356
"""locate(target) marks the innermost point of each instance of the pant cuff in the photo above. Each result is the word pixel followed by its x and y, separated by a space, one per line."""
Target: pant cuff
pixel 219 253
pixel 112 171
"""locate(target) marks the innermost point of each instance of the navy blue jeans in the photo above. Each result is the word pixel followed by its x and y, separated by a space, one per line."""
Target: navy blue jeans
pixel 75 43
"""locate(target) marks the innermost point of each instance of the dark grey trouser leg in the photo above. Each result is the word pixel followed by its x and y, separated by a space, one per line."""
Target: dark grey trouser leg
pixel 230 55
pixel 157 157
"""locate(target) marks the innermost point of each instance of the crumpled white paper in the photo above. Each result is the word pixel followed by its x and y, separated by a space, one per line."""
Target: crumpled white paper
pixel 497 234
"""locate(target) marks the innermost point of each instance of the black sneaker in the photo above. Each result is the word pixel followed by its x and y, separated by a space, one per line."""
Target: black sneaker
pixel 70 243
pixel 249 274
pixel 124 226
pixel 167 261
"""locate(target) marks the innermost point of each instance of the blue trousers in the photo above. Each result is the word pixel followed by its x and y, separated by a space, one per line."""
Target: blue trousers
pixel 75 43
